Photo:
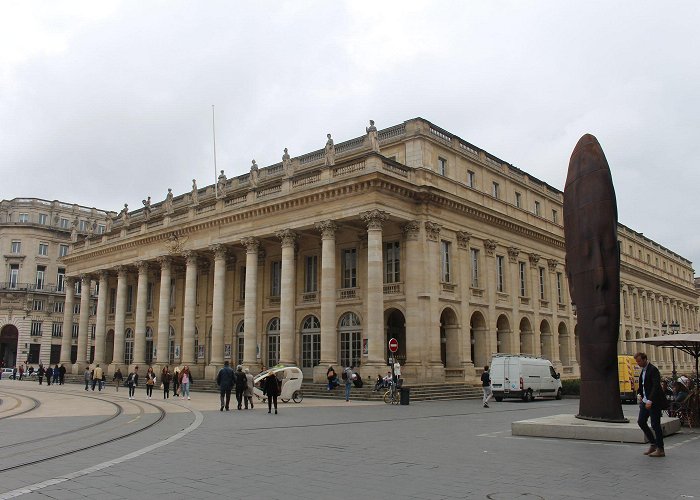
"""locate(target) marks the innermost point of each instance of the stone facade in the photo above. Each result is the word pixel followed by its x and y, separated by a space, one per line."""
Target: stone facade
pixel 430 240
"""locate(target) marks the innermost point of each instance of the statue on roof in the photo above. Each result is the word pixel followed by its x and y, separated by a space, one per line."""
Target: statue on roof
pixel 373 136
pixel 287 163
pixel 194 194
pixel 168 203
pixel 330 151
pixel 124 213
pixel 146 207
pixel 254 174
pixel 221 184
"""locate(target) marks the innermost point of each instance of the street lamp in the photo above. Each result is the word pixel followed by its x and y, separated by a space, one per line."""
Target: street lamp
pixel 673 328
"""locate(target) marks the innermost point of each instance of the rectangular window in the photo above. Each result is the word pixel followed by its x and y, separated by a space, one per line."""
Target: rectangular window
pixel 471 178
pixel 43 219
pixel 74 331
pixel 241 293
pixel 635 307
pixel 38 305
pixel 78 286
pixel 349 268
pixel 58 306
pixel 350 348
pixel 61 279
pixel 149 297
pixel 500 274
pixel 275 278
pixel 172 293
pixel 14 275
pixel 311 274
pixel 442 166
pixel 23 217
pixel 518 200
pixel 560 288
pixel 495 190
pixel 522 269
pixel 82 226
pixel 475 267
pixel 40 277
pixel 64 223
pixel 62 250
pixel 76 308
pixel 36 329
pixel 445 261
pixel 93 328
pixel 542 283
pixel 57 329
pixel 537 208
pixel 16 247
pixel 555 216
pixel 44 249
pixel 392 262
pixel 112 300
pixel 100 229
pixel 129 298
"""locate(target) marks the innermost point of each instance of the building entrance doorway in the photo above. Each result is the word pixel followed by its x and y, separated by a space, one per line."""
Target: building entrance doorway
pixel 8 345
pixel 396 329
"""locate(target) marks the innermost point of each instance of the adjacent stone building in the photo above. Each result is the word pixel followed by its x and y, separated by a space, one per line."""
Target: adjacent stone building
pixel 407 232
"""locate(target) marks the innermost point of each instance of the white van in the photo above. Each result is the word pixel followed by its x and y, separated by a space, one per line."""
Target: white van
pixel 524 377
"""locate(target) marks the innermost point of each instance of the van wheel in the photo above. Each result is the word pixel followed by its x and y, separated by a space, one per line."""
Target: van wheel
pixel 558 396
pixel 527 396
pixel 499 399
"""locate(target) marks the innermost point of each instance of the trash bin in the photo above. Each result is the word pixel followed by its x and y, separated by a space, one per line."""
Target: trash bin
pixel 404 396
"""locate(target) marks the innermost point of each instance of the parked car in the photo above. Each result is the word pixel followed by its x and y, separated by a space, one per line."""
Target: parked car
pixel 524 377
pixel 6 372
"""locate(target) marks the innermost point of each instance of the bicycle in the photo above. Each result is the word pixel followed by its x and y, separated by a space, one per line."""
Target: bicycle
pixel 391 396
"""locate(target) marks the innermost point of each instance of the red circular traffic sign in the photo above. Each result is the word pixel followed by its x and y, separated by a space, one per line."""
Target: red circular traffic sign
pixel 393 345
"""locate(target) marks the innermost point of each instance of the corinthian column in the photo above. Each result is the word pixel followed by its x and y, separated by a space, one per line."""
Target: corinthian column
pixel 68 321
pixel 329 340
pixel 101 328
pixel 287 329
pixel 163 349
pixel 140 326
pixel 82 360
pixel 374 328
pixel 250 315
pixel 217 319
pixel 119 319
pixel 189 312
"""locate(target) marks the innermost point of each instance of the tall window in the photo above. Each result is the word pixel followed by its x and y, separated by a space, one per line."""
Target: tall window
pixel 44 249
pixel 310 342
pixel 82 226
pixel 445 261
pixel 537 208
pixel 635 307
pixel 57 329
pixel 129 298
pixel 475 267
pixel 522 269
pixel 241 284
pixel 38 305
pixel 350 340
pixel 542 282
pixel 555 216
pixel 58 306
pixel 392 261
pixel 64 223
pixel 560 289
pixel 518 200
pixel 239 343
pixel 14 275
pixel 16 247
pixel 471 178
pixel 349 270
pixel 61 279
pixel 172 293
pixel 74 331
pixel 273 342
pixel 128 346
pixel 149 297
pixel 624 303
pixel 500 274
pixel 23 217
pixel 495 190
pixel 275 278
pixel 62 250
pixel 112 300
pixel 311 274
pixel 40 277
pixel 36 329
pixel 442 166
pixel 101 228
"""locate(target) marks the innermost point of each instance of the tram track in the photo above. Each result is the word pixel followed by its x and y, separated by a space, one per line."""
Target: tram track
pixel 36 404
pixel 161 416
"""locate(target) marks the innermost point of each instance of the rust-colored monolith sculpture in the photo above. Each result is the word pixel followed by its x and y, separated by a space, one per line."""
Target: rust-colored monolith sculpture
pixel 593 269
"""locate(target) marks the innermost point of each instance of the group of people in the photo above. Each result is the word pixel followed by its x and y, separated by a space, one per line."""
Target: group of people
pixel 239 380
pixel 180 378
pixel 55 375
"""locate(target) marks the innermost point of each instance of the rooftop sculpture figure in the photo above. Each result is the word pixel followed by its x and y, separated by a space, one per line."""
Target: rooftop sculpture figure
pixel 168 203
pixel 373 136
pixel 330 151
pixel 194 194
pixel 593 269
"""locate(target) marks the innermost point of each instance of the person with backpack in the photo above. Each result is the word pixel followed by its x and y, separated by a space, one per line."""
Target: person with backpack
pixel 347 378
pixel 241 383
pixel 118 378
pixel 132 381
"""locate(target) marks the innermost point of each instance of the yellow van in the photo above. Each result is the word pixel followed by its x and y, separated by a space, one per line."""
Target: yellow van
pixel 628 374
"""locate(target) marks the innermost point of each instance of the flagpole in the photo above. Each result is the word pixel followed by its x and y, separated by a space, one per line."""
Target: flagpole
pixel 213 128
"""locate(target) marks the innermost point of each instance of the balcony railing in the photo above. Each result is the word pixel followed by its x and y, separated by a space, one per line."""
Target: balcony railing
pixel 31 287
pixel 393 288
pixel 348 293
pixel 307 297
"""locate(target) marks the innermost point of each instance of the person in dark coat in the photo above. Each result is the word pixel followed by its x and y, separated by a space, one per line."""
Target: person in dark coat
pixel 651 403
pixel 61 374
pixel 49 375
pixel 241 383
pixel 225 379
pixel 271 389
pixel 40 373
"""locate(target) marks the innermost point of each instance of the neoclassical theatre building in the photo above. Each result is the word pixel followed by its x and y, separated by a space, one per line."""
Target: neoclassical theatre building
pixel 407 232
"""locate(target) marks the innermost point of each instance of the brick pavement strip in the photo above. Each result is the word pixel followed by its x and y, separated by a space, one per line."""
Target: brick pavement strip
pixel 453 449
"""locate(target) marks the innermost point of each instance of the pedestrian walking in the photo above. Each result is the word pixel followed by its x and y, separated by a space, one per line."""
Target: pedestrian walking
pixel 165 378
pixel 225 380
pixel 486 386
pixel 185 381
pixel 248 394
pixel 241 383
pixel 271 390
pixel 61 374
pixel 176 382
pixel 347 378
pixel 40 373
pixel 86 376
pixel 49 375
pixel 651 403
pixel 97 378
pixel 150 382
pixel 133 381
pixel 118 378
pixel 56 374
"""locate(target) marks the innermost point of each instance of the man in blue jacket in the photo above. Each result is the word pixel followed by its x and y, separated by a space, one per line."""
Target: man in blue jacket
pixel 651 402
pixel 224 379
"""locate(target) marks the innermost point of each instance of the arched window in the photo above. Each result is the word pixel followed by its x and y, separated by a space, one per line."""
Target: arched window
pixel 310 343
pixel 128 346
pixel 171 344
pixel 273 342
pixel 149 345
pixel 239 343
pixel 350 340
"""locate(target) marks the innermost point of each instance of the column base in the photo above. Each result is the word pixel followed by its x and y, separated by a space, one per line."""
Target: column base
pixel 320 371
pixel 212 370
pixel 370 369
pixel 79 367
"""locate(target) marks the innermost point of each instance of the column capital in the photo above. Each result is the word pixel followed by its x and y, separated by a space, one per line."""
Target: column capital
pixel 432 230
pixel 411 229
pixel 513 253
pixel 85 277
pixel 70 281
pixel 142 266
pixel 190 256
pixel 103 274
pixel 122 271
pixel 374 218
pixel 534 259
pixel 220 250
pixel 463 239
pixel 251 244
pixel 327 228
pixel 490 246
pixel 552 264
pixel 164 261
pixel 287 237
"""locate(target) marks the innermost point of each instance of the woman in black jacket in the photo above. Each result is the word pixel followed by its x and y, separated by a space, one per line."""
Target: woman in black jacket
pixel 271 389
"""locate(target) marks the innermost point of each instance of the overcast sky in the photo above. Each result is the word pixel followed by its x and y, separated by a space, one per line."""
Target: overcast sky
pixel 107 102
